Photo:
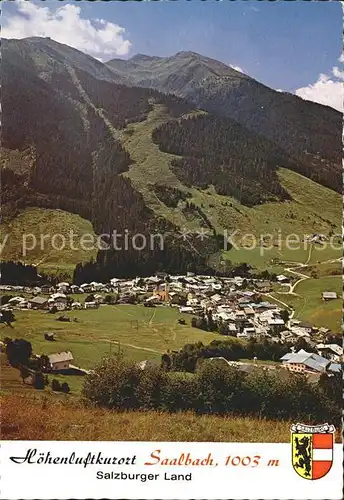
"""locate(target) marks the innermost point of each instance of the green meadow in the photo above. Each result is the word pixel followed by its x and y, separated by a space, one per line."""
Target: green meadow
pixel 309 305
pixel 139 333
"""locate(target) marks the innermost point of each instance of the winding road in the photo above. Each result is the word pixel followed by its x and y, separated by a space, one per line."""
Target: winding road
pixel 302 277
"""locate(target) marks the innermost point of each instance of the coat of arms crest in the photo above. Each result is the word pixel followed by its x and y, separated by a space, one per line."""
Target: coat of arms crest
pixel 312 450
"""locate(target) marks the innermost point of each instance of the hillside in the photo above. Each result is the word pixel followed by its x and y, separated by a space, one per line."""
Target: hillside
pixel 46 256
pixel 45 57
pixel 308 131
pixel 132 158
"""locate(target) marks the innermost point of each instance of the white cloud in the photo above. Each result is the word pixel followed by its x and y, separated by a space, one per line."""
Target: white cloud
pixel 237 68
pixel 338 73
pixel 326 90
pixel 99 38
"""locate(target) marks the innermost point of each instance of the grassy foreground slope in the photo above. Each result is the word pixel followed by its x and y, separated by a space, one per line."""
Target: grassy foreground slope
pixel 46 419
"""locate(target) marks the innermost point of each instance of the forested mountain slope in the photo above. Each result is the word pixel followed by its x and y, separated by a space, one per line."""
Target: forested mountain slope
pixel 117 155
pixel 309 131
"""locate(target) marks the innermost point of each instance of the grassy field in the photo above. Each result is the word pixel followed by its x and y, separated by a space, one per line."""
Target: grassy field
pixel 140 333
pixel 276 258
pixel 46 419
pixel 325 269
pixel 309 305
pixel 36 222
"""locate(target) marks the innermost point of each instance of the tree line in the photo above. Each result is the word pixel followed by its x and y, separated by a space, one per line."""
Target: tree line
pixel 170 196
pixel 119 385
pixel 187 359
pixel 221 152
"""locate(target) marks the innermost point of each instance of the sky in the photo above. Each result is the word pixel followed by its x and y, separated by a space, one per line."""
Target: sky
pixel 289 46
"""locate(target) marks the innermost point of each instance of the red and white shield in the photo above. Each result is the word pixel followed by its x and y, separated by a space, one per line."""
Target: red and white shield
pixel 322 454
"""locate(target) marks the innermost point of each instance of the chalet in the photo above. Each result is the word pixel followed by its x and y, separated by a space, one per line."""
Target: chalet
pixel 96 286
pixel 37 303
pixel 304 361
pixel 248 293
pixel 62 287
pixel 176 286
pixel 153 299
pixel 288 336
pixel 91 305
pixel 282 279
pixel 216 286
pixel 300 331
pixel 19 302
pixel 99 298
pixel 264 286
pixel 244 302
pixel 239 319
pixel 153 280
pixel 265 305
pixel 176 298
pixel 186 309
pixel 216 298
pixel 333 352
pixel 75 289
pixel 276 325
pixel 150 287
pixel 232 329
pixel 238 281
pixel 249 332
pixel 58 300
pixel 85 288
pixel 249 312
pixel 60 361
pixel 323 330
pixel 76 305
pixel 224 316
pixel 329 295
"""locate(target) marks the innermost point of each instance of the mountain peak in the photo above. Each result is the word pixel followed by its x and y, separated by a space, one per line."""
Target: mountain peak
pixel 144 57
pixel 188 53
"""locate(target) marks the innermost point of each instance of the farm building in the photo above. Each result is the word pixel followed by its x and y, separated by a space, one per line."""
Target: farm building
pixel 60 360
pixel 37 303
pixel 329 295
pixel 91 305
